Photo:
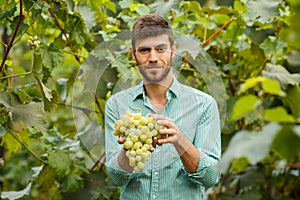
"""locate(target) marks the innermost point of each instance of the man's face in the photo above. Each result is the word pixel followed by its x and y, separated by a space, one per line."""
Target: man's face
pixel 154 56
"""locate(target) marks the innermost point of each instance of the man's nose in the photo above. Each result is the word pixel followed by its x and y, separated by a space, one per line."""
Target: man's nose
pixel 153 56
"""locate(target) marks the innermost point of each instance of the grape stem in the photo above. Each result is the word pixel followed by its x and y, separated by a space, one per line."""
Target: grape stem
pixel 139 109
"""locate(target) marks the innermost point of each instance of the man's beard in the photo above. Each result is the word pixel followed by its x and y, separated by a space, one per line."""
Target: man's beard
pixel 153 78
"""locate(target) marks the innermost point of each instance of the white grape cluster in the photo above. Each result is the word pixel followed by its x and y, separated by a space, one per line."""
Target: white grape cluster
pixel 33 42
pixel 137 132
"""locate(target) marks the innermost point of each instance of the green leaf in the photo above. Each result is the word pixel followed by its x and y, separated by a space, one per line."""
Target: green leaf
pixel 92 138
pixel 87 14
pixel 162 7
pixel 4 115
pixel 278 114
pixel 252 145
pixel 51 56
pixel 61 162
pixel 72 182
pixel 142 9
pixel 12 195
pixel 287 144
pixel 272 87
pixel 279 73
pixel 37 67
pixel 23 115
pixel 244 105
pixel 239 165
pixel 18 69
pixel 2 130
pixel 23 96
pixel 251 82
pixel 12 145
pixel 292 100
pixel 111 6
pixel 262 11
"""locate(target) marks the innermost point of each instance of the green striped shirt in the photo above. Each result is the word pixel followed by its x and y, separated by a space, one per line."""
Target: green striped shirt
pixel 164 176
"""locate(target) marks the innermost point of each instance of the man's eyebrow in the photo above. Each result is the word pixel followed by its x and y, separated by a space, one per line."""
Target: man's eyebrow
pixel 148 47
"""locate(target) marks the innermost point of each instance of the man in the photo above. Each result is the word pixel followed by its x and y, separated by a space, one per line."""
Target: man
pixel 185 162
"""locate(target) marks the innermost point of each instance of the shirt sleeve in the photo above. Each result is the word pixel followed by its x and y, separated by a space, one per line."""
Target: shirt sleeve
pixel 118 176
pixel 208 142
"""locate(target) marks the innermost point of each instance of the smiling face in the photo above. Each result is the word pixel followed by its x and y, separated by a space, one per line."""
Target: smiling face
pixel 154 57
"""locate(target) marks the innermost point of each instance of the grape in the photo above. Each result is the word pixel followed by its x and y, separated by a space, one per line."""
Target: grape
pixel 137 134
pixel 33 42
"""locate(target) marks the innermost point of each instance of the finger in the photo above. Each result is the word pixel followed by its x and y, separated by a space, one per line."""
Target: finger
pixel 154 142
pixel 121 140
pixel 162 141
pixel 166 123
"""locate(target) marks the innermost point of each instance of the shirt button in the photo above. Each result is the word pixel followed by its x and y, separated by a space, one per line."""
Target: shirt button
pixel 155 173
pixel 154 196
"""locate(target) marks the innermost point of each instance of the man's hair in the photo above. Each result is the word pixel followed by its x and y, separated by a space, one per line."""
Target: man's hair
pixel 150 25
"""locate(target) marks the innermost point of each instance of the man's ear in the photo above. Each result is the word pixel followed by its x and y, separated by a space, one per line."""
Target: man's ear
pixel 132 53
pixel 173 49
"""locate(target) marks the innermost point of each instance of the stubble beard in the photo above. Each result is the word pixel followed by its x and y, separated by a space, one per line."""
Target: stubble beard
pixel 153 76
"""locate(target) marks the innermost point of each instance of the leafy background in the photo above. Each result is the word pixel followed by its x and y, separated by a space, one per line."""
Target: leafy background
pixel 44 155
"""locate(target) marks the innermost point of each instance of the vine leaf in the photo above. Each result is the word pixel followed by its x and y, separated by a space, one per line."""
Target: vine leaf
pixel 87 14
pixel 262 11
pixel 27 115
pixel 282 75
pixel 16 194
pixel 11 145
pixel 244 105
pixel 245 143
pixel 72 182
pixel 278 114
pixel 292 99
pixel 60 161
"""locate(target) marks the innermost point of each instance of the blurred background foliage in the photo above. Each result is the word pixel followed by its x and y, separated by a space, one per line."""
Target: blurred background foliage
pixel 45 155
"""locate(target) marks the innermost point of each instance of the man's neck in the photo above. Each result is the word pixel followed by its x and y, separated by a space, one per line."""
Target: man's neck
pixel 157 93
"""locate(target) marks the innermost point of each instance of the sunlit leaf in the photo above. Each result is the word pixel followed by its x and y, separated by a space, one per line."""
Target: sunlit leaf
pixel 282 75
pixel 278 114
pixel 10 143
pixel 243 105
pixel 251 82
pixel 272 87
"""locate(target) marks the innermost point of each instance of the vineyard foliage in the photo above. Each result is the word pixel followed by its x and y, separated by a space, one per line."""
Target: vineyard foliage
pixel 47 153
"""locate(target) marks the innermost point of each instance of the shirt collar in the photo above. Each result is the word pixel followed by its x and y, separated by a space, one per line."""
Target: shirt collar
pixel 139 92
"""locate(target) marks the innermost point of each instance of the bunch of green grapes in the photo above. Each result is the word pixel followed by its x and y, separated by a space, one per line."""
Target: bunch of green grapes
pixel 137 132
pixel 33 42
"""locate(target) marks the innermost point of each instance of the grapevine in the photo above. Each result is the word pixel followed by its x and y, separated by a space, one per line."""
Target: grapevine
pixel 136 133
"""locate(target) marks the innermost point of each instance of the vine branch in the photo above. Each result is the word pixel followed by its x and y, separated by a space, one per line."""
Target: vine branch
pixel 9 46
pixel 64 33
pixel 26 147
pixel 212 36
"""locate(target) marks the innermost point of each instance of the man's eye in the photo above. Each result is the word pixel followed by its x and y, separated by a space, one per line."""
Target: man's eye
pixel 161 49
pixel 144 50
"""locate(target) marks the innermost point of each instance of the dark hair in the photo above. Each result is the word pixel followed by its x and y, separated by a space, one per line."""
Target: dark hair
pixel 149 26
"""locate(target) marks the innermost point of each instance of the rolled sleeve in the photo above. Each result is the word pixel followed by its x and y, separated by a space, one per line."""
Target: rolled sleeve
pixel 207 173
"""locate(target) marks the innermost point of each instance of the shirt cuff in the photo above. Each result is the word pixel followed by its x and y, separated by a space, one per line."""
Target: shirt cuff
pixel 202 166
